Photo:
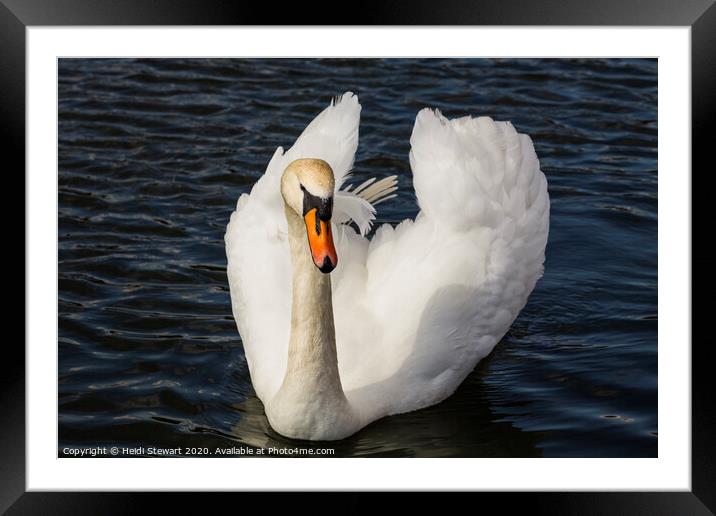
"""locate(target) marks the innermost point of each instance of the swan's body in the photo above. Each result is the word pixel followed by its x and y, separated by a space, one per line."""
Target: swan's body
pixel 404 317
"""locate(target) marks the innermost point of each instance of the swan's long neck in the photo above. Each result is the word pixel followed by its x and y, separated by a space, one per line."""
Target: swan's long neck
pixel 312 345
pixel 310 403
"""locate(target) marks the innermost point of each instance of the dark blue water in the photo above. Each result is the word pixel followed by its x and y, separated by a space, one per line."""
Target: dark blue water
pixel 153 155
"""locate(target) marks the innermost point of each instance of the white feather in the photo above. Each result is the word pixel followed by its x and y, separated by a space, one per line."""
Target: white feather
pixel 351 207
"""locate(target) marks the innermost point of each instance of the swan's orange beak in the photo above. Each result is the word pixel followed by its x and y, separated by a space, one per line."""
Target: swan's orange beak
pixel 320 239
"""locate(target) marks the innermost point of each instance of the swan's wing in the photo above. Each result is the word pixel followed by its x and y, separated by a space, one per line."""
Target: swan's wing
pixel 442 290
pixel 471 172
pixel 259 268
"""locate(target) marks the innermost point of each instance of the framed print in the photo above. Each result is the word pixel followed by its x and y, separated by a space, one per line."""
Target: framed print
pixel 416 252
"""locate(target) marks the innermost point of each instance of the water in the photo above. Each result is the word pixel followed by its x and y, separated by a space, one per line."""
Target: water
pixel 153 155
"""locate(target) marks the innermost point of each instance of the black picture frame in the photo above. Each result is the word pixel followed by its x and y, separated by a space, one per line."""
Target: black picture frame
pixel 700 15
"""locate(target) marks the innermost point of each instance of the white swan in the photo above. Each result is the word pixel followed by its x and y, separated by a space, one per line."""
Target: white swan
pixel 404 317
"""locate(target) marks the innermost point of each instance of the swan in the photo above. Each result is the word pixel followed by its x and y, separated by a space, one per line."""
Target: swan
pixel 340 330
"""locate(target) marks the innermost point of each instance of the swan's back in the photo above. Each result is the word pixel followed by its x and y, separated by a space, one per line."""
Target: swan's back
pixel 420 304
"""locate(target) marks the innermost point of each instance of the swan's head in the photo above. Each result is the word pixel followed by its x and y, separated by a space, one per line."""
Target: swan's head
pixel 307 188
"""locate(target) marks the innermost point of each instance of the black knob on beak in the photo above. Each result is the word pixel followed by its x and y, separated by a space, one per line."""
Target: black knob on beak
pixel 324 205
pixel 325 209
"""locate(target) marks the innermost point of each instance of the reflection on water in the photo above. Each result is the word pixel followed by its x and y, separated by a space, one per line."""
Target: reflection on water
pixel 462 426
pixel 154 153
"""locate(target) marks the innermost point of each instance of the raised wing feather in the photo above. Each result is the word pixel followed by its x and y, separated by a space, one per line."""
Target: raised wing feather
pixel 358 205
pixel 259 267
pixel 442 290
